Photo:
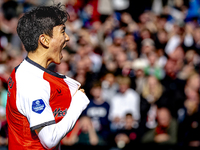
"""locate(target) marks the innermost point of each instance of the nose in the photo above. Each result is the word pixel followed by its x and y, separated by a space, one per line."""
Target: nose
pixel 67 37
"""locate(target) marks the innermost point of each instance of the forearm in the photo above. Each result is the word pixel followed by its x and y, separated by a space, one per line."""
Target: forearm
pixel 93 137
pixel 51 135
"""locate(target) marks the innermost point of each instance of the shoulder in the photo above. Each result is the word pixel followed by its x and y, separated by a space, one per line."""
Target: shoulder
pixel 30 86
pixel 29 78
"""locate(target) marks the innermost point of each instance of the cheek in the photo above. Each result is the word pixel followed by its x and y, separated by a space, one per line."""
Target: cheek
pixel 55 47
pixel 53 43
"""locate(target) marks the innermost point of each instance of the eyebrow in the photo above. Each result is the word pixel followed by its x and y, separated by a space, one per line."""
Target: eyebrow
pixel 62 28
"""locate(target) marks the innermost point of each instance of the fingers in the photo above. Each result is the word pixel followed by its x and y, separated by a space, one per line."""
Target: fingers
pixel 82 90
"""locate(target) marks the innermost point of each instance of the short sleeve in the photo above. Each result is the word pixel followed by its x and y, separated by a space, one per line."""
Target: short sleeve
pixel 33 102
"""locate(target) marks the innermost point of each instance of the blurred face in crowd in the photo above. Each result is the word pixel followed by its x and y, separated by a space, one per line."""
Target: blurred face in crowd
pixel 170 67
pixel 197 34
pixel 62 68
pixel 87 62
pixel 161 22
pixel 163 117
pixel 131 44
pixel 124 84
pixel 118 41
pixel 152 82
pixel 147 46
pixel 110 78
pixel 152 57
pixel 144 17
pixel 139 73
pixel 96 25
pixel 80 67
pixel 123 87
pixel 85 124
pixel 96 92
pixel 189 56
pixel 192 95
pixel 194 82
pixel 121 58
pixel 162 36
pixel 145 34
pixel 129 122
pixel 178 54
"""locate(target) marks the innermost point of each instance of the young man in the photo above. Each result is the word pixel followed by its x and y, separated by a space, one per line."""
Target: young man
pixel 41 109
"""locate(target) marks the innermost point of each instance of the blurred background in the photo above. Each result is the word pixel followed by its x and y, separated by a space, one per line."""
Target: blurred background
pixel 139 63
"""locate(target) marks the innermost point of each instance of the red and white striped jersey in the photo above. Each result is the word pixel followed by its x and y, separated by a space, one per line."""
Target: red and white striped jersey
pixel 37 97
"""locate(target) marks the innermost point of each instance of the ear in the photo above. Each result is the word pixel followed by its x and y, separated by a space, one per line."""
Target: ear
pixel 44 40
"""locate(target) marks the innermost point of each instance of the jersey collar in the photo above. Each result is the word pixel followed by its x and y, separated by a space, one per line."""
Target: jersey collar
pixel 44 69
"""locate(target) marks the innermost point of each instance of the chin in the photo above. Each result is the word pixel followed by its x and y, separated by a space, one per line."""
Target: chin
pixel 57 61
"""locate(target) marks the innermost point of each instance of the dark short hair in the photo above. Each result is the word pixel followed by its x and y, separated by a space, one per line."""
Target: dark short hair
pixel 96 84
pixel 40 20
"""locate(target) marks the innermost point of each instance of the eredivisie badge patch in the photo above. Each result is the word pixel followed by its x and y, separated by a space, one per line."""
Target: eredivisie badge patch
pixel 38 106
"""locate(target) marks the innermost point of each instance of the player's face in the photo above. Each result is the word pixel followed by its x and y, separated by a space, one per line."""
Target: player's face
pixel 57 43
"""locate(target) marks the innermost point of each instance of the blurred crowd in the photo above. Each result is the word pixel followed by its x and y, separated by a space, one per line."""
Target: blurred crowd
pixel 139 63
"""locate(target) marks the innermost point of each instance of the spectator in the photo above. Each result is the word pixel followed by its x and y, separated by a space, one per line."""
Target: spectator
pixel 87 136
pixel 164 135
pixel 83 74
pixel 193 82
pixel 98 111
pixel 109 86
pixel 153 67
pixel 121 60
pixel 82 136
pixel 174 87
pixel 130 47
pixel 8 25
pixel 160 43
pixel 70 140
pixel 151 98
pixel 63 68
pixel 191 65
pixel 188 116
pixel 197 39
pixel 3 94
pixel 127 137
pixel 126 100
pixel 147 46
pixel 116 46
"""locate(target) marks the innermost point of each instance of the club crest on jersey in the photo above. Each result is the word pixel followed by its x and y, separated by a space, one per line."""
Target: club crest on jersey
pixel 38 106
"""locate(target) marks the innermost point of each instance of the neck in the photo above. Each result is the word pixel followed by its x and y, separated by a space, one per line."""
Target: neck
pixel 98 101
pixel 39 58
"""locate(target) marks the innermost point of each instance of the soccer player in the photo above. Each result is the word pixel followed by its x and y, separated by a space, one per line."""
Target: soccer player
pixel 41 108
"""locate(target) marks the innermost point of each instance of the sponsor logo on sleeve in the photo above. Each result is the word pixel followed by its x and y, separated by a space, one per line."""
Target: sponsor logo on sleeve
pixel 60 113
pixel 38 106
